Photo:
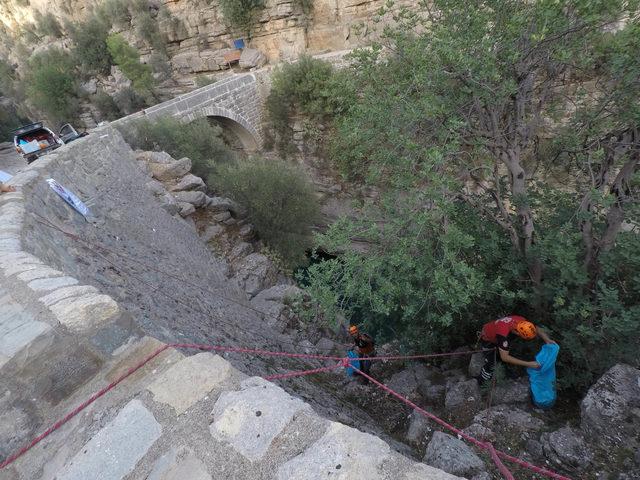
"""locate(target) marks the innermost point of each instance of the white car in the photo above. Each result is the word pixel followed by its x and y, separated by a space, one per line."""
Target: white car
pixel 35 140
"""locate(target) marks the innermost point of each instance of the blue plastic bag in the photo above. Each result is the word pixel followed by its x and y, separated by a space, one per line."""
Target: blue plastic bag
pixel 543 380
pixel 352 363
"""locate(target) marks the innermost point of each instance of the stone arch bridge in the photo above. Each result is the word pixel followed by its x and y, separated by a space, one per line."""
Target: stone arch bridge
pixel 235 103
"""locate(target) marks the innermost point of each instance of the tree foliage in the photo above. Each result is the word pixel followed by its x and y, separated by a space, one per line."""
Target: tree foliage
pixel 463 119
pixel 280 201
pixel 128 59
pixel 51 85
pixel 199 140
pixel 90 46
pixel 241 14
pixel 308 87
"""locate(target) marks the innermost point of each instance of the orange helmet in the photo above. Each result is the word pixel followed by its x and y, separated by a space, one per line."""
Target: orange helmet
pixel 353 330
pixel 525 329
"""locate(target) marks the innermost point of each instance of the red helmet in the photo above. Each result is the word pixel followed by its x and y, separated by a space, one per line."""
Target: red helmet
pixel 525 329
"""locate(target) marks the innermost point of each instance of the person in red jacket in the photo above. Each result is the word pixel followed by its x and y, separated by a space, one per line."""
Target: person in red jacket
pixel 496 337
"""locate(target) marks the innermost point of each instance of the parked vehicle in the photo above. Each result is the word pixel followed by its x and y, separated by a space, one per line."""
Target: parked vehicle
pixel 35 140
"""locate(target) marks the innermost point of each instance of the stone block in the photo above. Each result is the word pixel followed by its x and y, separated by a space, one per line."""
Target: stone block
pixel 42 272
pixel 197 199
pixel 344 453
pixel 250 419
pixel 179 465
pixel 17 327
pixel 170 171
pixel 85 312
pixel 189 380
pixel 186 209
pixel 452 455
pixel 116 449
pixel 189 182
pixel 48 284
pixel 66 292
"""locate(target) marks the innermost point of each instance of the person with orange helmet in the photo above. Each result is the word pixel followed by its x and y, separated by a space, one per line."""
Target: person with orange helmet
pixel 496 338
pixel 365 347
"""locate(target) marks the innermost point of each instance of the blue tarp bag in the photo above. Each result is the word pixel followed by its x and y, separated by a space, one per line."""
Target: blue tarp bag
pixel 543 380
pixel 352 363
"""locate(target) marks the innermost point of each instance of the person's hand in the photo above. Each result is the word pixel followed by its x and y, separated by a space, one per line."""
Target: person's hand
pixel 550 342
pixel 535 365
pixel 7 188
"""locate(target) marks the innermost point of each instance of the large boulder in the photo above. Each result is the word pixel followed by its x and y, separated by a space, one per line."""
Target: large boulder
pixel 453 456
pixel 511 391
pixel 256 273
pixel 420 429
pixel 611 409
pixel 505 420
pixel 170 171
pixel 273 304
pixel 189 182
pixel 197 199
pixel 475 364
pixel 566 447
pixel 220 205
pixel 461 394
pixel 405 383
pixel 250 58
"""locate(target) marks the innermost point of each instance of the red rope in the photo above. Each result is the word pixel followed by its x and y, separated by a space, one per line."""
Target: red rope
pixel 79 408
pixel 301 372
pixel 478 443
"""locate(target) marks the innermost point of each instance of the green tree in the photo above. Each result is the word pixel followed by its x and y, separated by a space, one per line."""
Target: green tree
pixel 90 46
pixel 463 117
pixel 128 59
pixel 310 88
pixel 241 14
pixel 51 85
pixel 280 201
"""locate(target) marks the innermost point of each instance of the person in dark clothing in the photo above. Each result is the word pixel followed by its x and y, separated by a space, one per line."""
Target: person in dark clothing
pixel 365 347
pixel 496 338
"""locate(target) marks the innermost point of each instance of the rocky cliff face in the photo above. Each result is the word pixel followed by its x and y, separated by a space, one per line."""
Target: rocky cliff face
pixel 194 36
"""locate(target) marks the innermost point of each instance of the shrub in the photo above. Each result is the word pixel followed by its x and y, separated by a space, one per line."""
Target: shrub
pixel 128 101
pixel 241 14
pixel 148 30
pixel 7 78
pixel 204 80
pixel 198 140
pixel 115 13
pixel 51 85
pixel 159 63
pixel 128 59
pixel 9 121
pixel 310 87
pixel 90 48
pixel 106 105
pixel 280 201
pixel 46 24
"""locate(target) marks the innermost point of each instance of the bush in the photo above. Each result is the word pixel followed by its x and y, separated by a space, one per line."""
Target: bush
pixel 90 50
pixel 51 85
pixel 159 63
pixel 310 87
pixel 115 13
pixel 241 14
pixel 204 80
pixel 106 105
pixel 46 24
pixel 198 140
pixel 128 101
pixel 280 201
pixel 9 121
pixel 128 59
pixel 148 30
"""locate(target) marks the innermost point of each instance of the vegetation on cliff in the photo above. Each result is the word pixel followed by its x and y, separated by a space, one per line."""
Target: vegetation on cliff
pixel 503 142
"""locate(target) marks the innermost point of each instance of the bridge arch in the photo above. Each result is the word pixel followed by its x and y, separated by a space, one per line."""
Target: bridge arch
pixel 232 121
